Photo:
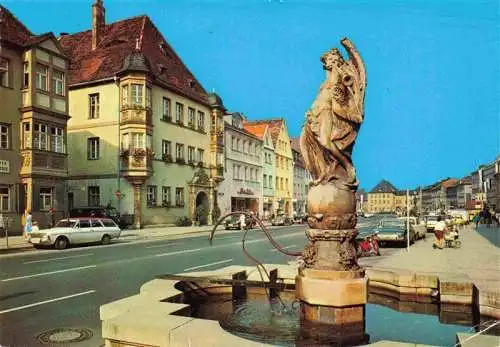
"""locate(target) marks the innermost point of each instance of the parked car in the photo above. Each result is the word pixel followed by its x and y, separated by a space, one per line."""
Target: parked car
pixel 419 229
pixel 282 220
pixel 233 222
pixel 393 231
pixel 300 218
pixel 102 212
pixel 71 231
pixel 430 222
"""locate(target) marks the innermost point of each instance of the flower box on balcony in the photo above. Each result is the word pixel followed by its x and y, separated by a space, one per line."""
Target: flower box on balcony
pixel 150 153
pixel 192 163
pixel 166 204
pixel 180 161
pixel 167 158
pixel 124 153
pixel 167 119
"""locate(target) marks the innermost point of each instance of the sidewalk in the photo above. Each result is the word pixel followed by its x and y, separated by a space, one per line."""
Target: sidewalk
pixel 17 244
pixel 478 259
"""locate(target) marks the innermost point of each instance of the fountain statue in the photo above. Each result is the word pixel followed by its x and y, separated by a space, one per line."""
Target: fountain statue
pixel 331 286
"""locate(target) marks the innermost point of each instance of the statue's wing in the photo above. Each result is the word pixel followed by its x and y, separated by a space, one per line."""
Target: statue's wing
pixel 356 60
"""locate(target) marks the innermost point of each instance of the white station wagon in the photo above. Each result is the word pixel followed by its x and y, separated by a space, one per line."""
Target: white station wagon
pixel 76 231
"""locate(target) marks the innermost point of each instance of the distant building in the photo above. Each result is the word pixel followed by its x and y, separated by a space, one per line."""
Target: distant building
pixel 241 189
pixel 33 123
pixel 381 198
pixel 301 178
pixel 458 193
pixel 434 198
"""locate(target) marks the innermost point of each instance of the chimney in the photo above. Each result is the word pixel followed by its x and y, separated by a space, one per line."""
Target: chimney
pixel 98 23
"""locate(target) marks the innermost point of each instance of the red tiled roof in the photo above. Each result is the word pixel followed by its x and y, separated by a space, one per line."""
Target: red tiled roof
pixel 295 143
pixel 258 130
pixel 449 183
pixel 12 30
pixel 274 127
pixel 119 40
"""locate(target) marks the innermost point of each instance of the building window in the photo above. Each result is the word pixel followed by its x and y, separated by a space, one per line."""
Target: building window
pixel 58 82
pixel 179 151
pixel 125 95
pixel 151 196
pixel 201 154
pixel 166 196
pixel 4 137
pixel 93 148
pixel 166 147
pixel 94 106
pixel 246 173
pixel 166 109
pixel 191 154
pixel 125 141
pixel 26 75
pixel 26 135
pixel 57 140
pixel 41 77
pixel 238 145
pixel 4 72
pixel 149 102
pixel 94 196
pixel 179 197
pixel 137 140
pixel 45 199
pixel 191 120
pixel 4 166
pixel 233 143
pixel 137 94
pixel 201 121
pixel 282 185
pixel 265 181
pixel 40 136
pixel 286 184
pixel 4 199
pixel 251 178
pixel 270 181
pixel 179 113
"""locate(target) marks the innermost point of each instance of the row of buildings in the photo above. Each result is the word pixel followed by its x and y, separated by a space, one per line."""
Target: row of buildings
pixel 112 116
pixel 472 192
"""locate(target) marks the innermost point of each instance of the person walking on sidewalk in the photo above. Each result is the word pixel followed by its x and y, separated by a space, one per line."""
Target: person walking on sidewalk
pixel 439 230
pixel 27 223
pixel 476 220
pixel 242 222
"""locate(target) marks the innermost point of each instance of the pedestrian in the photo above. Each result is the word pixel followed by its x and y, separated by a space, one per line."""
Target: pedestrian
pixel 28 223
pixel 242 221
pixel 476 220
pixel 439 231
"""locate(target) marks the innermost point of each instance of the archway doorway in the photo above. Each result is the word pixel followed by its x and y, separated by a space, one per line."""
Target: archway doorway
pixel 202 208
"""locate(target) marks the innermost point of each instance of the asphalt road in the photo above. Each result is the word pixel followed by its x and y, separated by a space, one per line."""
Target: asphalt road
pixel 46 290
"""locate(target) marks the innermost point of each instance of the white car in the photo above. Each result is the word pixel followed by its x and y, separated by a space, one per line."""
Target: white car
pixel 73 231
pixel 420 229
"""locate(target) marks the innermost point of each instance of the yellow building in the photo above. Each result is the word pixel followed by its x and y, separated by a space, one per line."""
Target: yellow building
pixel 34 113
pixel 382 198
pixel 145 137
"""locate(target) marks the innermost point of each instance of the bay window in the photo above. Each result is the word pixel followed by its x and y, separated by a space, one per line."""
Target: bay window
pixel 58 82
pixel 137 94
pixel 40 136
pixel 57 140
pixel 41 77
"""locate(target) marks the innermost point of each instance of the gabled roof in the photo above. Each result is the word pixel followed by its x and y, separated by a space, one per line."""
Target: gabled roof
pixel 274 127
pixel 384 187
pixel 121 39
pixel 12 30
pixel 258 130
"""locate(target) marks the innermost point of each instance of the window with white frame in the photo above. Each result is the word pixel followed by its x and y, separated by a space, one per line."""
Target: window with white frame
pixel 4 72
pixel 4 199
pixel 166 147
pixel 179 113
pixel 191 115
pixel 137 140
pixel 179 151
pixel 40 136
pixel 270 181
pixel 201 154
pixel 137 94
pixel 26 75
pixel 191 154
pixel 149 102
pixel 58 83
pixel 41 77
pixel 57 140
pixel 151 195
pixel 94 196
pixel 125 95
pixel 4 136
pixel 4 166
pixel 201 121
pixel 26 135
pixel 93 148
pixel 94 106
pixel 166 109
pixel 166 198
pixel 45 199
pixel 179 196
pixel 125 141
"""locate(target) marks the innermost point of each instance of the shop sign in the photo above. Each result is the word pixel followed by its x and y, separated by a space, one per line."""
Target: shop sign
pixel 246 191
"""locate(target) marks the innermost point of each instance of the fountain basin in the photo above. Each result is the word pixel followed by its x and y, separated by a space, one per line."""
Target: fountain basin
pixel 152 318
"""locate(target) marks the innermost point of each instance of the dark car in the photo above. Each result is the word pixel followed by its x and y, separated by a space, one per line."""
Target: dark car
pixel 300 218
pixel 101 212
pixel 282 220
pixel 393 231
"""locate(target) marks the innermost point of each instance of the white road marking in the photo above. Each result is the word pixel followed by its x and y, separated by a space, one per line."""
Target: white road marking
pixel 47 301
pixel 48 273
pixel 287 247
pixel 179 252
pixel 52 259
pixel 165 245
pixel 207 265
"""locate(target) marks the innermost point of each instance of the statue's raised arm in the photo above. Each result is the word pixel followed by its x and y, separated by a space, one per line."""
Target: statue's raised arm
pixel 356 60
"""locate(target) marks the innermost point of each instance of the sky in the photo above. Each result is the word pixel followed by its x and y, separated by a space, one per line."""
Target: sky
pixel 433 94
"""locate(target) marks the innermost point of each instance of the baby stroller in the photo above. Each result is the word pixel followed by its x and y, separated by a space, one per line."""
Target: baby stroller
pixel 452 239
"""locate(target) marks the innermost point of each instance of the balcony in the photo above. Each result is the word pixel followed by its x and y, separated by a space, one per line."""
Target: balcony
pixel 133 114
pixel 44 163
pixel 137 162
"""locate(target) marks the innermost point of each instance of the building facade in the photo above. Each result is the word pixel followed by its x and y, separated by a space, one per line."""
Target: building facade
pixel 33 126
pixel 301 179
pixel 458 194
pixel 145 137
pixel 381 198
pixel 261 131
pixel 242 188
